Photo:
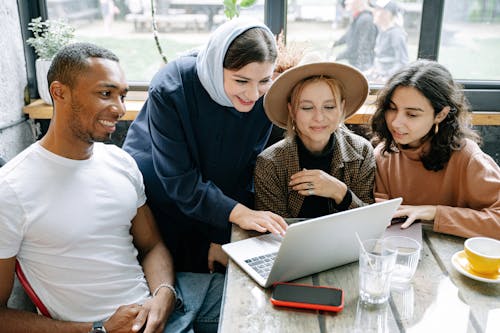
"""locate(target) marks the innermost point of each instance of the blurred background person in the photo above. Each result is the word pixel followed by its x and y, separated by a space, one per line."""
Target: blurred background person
pixel 391 51
pixel 360 36
pixel 108 11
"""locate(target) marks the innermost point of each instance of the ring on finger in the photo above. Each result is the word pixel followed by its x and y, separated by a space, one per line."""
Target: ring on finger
pixel 310 186
pixel 310 192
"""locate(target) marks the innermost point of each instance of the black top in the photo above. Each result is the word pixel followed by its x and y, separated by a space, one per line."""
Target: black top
pixel 315 206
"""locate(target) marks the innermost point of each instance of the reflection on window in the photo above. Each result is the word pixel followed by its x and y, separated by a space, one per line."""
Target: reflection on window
pixel 377 37
pixel 470 39
pixel 124 26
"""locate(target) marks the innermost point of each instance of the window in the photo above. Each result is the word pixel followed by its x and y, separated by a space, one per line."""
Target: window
pixel 470 39
pixel 346 31
pixel 124 26
pixel 464 35
pixel 436 29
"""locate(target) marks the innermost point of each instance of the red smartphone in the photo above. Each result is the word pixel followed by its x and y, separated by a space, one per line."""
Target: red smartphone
pixel 308 297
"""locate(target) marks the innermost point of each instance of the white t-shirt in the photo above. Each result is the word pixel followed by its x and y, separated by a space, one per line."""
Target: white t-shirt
pixel 68 222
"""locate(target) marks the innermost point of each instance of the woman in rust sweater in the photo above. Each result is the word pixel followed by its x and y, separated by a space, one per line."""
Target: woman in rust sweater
pixel 429 155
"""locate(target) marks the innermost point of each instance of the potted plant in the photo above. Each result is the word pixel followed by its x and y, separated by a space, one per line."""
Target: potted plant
pixel 48 38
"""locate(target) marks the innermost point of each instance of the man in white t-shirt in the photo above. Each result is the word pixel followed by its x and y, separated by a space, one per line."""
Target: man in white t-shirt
pixel 73 213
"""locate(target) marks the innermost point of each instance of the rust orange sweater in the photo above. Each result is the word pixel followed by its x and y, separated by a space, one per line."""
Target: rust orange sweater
pixel 466 192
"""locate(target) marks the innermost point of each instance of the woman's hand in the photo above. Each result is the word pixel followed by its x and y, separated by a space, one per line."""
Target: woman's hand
pixel 216 254
pixel 413 213
pixel 318 182
pixel 260 221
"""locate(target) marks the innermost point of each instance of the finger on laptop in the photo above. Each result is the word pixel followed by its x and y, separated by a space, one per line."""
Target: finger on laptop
pixel 408 222
pixel 279 224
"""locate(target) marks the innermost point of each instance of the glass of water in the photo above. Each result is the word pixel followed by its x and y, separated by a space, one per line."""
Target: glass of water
pixel 407 259
pixel 376 264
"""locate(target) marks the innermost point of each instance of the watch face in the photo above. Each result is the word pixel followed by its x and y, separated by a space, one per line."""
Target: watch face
pixel 97 327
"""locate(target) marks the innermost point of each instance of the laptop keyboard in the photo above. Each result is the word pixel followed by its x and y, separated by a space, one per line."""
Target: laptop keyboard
pixel 262 264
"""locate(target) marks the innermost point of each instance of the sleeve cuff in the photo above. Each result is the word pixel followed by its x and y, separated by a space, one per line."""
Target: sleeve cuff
pixel 345 203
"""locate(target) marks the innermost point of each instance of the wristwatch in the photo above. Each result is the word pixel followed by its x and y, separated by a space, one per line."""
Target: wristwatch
pixel 98 327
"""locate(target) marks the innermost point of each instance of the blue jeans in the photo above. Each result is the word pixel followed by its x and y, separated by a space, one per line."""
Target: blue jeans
pixel 199 302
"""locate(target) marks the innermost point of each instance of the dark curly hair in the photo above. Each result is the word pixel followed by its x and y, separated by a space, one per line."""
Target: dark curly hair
pixel 435 82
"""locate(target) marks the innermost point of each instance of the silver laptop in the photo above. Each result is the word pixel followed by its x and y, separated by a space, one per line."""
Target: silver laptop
pixel 311 246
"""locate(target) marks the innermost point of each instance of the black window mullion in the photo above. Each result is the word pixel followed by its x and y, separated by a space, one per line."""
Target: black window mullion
pixel 275 15
pixel 27 11
pixel 430 29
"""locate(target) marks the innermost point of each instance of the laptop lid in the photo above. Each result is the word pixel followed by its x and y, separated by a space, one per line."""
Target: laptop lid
pixel 314 245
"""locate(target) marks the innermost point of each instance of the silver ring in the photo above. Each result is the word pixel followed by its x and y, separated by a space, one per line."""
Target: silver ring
pixel 310 186
pixel 310 191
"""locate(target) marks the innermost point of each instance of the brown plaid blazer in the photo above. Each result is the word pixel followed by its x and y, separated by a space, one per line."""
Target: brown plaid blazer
pixel 353 163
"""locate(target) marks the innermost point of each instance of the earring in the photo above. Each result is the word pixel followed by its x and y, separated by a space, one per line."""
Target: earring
pixel 436 128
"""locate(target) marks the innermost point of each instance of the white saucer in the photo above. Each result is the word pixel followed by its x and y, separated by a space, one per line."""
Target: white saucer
pixel 462 265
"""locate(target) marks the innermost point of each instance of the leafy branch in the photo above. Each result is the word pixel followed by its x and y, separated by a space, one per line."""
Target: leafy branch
pixel 232 7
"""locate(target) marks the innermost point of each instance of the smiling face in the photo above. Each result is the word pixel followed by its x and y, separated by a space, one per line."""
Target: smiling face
pixel 410 116
pixel 317 114
pixel 246 85
pixel 97 101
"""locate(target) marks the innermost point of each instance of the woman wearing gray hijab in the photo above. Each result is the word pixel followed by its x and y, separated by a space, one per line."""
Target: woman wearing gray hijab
pixel 196 141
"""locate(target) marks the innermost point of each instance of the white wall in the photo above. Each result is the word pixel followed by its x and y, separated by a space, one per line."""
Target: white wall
pixel 12 82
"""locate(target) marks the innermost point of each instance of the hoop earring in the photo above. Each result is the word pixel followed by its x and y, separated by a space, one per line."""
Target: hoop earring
pixel 436 128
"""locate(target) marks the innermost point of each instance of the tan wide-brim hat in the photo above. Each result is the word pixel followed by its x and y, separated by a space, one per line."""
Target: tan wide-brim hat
pixel 355 87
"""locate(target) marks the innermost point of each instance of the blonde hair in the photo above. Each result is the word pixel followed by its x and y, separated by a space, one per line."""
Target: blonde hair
pixel 336 88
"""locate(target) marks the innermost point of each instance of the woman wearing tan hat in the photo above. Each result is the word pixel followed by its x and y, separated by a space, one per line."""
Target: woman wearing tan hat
pixel 320 167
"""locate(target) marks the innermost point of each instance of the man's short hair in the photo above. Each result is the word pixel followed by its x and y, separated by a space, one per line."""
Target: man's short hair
pixel 71 61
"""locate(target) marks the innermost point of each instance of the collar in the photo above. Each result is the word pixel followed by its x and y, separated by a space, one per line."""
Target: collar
pixel 415 154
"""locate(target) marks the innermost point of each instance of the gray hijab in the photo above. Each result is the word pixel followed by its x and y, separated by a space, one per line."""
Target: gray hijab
pixel 210 61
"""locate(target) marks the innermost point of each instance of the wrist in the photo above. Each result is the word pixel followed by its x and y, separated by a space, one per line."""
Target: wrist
pixel 168 288
pixel 433 213
pixel 98 327
pixel 236 213
pixel 338 196
pixel 346 201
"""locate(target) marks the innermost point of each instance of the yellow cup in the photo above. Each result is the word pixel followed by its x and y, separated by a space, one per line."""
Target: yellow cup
pixel 483 254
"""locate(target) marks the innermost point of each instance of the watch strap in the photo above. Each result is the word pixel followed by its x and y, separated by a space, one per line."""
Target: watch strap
pixel 98 327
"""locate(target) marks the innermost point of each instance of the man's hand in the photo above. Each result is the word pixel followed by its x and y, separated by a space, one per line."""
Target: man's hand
pixel 123 320
pixel 156 311
pixel 151 317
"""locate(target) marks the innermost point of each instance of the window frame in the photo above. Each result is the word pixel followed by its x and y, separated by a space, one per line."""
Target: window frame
pixel 27 11
pixel 483 95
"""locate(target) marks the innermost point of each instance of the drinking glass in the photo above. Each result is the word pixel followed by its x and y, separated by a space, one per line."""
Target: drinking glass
pixel 407 258
pixel 376 263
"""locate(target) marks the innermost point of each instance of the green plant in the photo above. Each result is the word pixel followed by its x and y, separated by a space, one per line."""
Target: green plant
pixel 49 36
pixel 232 7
